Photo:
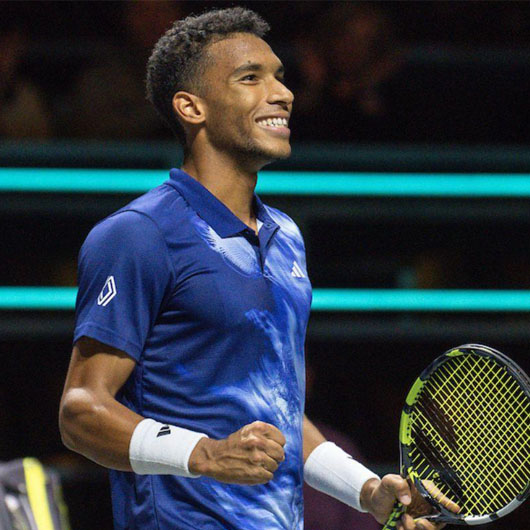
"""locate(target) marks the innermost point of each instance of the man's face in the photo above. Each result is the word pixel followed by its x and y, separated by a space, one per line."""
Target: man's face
pixel 247 104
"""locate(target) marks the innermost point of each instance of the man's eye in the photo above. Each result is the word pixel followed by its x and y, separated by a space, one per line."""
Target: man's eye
pixel 249 77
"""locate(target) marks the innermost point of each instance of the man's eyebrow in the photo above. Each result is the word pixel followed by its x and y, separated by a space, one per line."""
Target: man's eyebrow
pixel 255 67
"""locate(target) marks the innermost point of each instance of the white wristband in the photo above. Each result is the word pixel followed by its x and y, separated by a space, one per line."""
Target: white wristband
pixel 332 471
pixel 161 449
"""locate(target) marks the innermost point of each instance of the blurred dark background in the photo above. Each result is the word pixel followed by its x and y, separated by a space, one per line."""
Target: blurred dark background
pixel 398 71
pixel 433 87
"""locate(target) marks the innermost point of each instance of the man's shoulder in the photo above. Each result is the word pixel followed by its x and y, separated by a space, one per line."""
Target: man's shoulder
pixel 146 217
pixel 157 205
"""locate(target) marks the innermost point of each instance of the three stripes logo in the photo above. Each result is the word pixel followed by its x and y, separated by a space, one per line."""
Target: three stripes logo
pixel 163 431
pixel 108 292
pixel 296 271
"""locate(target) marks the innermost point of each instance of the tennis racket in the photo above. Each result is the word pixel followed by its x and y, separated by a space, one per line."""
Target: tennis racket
pixel 465 437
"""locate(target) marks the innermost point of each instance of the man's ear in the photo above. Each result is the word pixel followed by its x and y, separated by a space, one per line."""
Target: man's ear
pixel 189 108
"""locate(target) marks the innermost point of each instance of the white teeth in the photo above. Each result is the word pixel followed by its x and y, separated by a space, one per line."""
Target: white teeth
pixel 273 122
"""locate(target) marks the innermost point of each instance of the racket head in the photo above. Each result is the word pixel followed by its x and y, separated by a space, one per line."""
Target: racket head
pixel 465 433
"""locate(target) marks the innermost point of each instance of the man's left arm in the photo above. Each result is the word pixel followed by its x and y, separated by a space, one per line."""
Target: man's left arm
pixel 330 470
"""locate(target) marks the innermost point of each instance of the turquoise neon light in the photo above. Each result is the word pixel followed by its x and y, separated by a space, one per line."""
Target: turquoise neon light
pixel 63 298
pixel 38 298
pixel 275 182
pixel 419 300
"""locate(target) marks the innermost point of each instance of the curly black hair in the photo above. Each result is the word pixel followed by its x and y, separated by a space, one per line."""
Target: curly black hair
pixel 176 62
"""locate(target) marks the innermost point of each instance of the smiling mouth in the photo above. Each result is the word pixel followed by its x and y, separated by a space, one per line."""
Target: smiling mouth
pixel 273 123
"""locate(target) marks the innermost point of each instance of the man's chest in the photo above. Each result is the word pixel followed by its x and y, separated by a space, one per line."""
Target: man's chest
pixel 221 280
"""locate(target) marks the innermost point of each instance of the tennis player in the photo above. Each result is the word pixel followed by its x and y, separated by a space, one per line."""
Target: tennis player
pixel 187 372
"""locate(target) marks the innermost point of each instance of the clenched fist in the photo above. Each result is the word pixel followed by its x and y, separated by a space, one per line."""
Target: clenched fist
pixel 248 456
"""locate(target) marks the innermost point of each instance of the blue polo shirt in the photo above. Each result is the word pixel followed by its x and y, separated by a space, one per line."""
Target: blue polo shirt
pixel 215 318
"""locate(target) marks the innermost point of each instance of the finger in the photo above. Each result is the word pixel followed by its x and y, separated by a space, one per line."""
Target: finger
pixel 398 487
pixel 252 475
pixel 259 458
pixel 269 463
pixel 271 432
pixel 407 522
pixel 424 524
pixel 261 475
pixel 274 450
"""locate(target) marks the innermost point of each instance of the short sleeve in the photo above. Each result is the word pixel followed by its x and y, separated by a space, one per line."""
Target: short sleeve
pixel 124 274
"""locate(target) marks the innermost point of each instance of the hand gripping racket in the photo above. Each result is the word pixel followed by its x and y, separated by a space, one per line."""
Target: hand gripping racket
pixel 465 436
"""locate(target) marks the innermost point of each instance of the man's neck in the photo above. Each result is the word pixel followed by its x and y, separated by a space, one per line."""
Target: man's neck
pixel 231 184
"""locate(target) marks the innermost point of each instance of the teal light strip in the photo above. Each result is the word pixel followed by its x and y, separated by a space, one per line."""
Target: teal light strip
pixel 38 298
pixel 80 180
pixel 276 182
pixel 395 184
pixel 419 300
pixel 63 298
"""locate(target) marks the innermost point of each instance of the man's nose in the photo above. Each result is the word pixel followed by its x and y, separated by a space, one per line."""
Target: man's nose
pixel 279 93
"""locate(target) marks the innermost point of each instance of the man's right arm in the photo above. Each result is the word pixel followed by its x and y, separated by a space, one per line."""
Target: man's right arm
pixel 95 424
pixel 92 422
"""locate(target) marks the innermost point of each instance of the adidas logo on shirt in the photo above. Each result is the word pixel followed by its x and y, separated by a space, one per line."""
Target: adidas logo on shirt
pixel 296 271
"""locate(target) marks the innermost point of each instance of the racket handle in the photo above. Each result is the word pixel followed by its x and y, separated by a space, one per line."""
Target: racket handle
pixel 397 512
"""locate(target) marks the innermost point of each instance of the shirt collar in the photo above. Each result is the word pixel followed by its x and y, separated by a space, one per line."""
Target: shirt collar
pixel 211 209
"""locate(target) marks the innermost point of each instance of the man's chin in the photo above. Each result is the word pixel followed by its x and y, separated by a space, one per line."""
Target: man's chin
pixel 286 152
pixel 275 153
pixel 259 156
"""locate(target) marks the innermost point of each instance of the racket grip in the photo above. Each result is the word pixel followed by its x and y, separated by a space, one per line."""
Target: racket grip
pixel 397 512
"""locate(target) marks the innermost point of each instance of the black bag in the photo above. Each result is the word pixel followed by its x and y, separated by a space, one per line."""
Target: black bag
pixel 31 497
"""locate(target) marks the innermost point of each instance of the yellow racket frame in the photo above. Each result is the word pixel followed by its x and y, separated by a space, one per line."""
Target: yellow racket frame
pixel 497 381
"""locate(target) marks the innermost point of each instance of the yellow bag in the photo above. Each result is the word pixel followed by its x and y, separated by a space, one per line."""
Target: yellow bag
pixel 31 497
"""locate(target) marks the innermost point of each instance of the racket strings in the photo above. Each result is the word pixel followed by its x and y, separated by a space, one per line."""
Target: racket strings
pixel 478 464
pixel 486 426
pixel 471 428
pixel 435 465
pixel 432 462
pixel 497 419
pixel 486 422
pixel 471 470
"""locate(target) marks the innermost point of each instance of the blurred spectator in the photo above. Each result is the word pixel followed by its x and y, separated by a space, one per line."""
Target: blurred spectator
pixel 108 98
pixel 23 113
pixel 342 67
pixel 320 510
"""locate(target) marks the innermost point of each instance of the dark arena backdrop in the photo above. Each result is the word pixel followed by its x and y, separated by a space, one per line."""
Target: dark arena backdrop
pixel 410 181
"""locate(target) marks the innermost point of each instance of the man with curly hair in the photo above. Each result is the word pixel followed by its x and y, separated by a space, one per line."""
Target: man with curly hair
pixel 187 373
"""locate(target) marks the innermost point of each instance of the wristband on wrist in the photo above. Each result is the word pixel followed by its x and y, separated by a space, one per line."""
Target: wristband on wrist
pixel 332 471
pixel 161 449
